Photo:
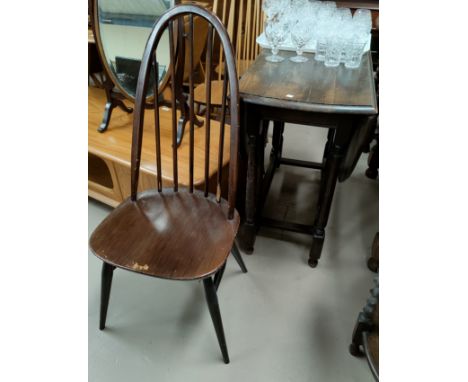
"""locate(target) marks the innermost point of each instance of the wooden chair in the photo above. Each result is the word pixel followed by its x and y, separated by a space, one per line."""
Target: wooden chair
pixel 176 234
pixel 244 22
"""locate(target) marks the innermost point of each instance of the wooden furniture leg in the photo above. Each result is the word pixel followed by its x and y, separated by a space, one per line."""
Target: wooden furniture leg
pixel 218 276
pixel 340 142
pixel 184 118
pixel 373 170
pixel 367 325
pixel 213 306
pixel 251 192
pixel 373 262
pixel 265 178
pixel 235 252
pixel 277 143
pixel 330 135
pixel 112 102
pixel 262 180
pixel 106 283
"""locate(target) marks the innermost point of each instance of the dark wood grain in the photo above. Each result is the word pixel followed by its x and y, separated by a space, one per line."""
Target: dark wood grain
pixel 179 233
pixel 171 235
pixel 311 86
pixel 338 99
pixel 121 254
pixel 354 4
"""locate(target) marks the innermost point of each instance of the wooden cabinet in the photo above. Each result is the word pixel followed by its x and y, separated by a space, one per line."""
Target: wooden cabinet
pixel 109 155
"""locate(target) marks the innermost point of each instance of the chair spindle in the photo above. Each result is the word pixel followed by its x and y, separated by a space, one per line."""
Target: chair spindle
pixel 230 99
pixel 157 128
pixel 209 53
pixel 173 104
pixel 221 134
pixel 191 103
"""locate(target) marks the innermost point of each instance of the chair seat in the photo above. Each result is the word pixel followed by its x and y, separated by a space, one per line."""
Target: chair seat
pixel 199 94
pixel 171 235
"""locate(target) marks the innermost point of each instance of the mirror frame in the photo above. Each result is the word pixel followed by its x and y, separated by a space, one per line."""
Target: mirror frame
pixel 105 64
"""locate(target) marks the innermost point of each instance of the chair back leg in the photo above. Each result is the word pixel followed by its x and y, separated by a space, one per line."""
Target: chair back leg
pixel 218 276
pixel 236 253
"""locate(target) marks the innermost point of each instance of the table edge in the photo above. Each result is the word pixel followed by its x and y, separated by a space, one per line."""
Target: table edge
pixel 302 106
pixel 316 107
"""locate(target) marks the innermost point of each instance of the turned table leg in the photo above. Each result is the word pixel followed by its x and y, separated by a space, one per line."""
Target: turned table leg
pixel 277 143
pixel 251 192
pixel 330 172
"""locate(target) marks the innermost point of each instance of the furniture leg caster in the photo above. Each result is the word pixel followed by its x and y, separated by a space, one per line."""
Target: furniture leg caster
pixel 313 263
pixel 354 350
pixel 373 261
pixel 373 264
pixel 247 240
pixel 316 248
pixel 371 173
pixel 106 118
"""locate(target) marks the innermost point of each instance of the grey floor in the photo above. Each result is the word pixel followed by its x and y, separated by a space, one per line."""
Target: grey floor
pixel 283 320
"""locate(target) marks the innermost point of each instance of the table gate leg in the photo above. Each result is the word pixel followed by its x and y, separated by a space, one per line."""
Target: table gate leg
pixel 255 150
pixel 250 196
pixel 277 143
pixel 335 155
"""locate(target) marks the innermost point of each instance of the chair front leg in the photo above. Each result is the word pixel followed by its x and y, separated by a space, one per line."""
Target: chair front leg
pixel 106 283
pixel 213 306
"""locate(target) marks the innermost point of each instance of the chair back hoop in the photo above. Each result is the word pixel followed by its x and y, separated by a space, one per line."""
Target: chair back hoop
pixel 149 60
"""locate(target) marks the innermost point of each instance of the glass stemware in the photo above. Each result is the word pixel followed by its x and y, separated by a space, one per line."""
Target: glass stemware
pixel 301 33
pixel 337 35
pixel 273 8
pixel 275 32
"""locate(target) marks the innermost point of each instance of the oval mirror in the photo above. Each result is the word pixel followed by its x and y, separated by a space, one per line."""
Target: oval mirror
pixel 122 29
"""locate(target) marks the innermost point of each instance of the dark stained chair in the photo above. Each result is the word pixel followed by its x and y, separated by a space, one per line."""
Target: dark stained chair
pixel 177 233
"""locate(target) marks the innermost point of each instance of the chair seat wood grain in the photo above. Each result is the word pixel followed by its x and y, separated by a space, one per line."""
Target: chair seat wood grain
pixel 170 235
pixel 216 93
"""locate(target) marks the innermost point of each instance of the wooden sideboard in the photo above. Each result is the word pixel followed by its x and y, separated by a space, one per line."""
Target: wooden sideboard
pixel 109 154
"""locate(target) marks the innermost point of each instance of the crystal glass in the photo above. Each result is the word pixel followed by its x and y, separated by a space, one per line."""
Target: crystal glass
pixel 273 8
pixel 347 35
pixel 275 32
pixel 334 48
pixel 324 12
pixel 344 14
pixel 321 34
pixel 301 33
pixel 299 3
pixel 267 7
pixel 327 24
pixel 353 54
pixel 354 47
pixel 363 20
pixel 329 4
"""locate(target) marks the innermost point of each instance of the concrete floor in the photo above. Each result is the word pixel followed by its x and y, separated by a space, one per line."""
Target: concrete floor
pixel 283 320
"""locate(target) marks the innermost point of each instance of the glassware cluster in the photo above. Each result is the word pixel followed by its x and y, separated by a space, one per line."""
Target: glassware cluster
pixel 338 35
